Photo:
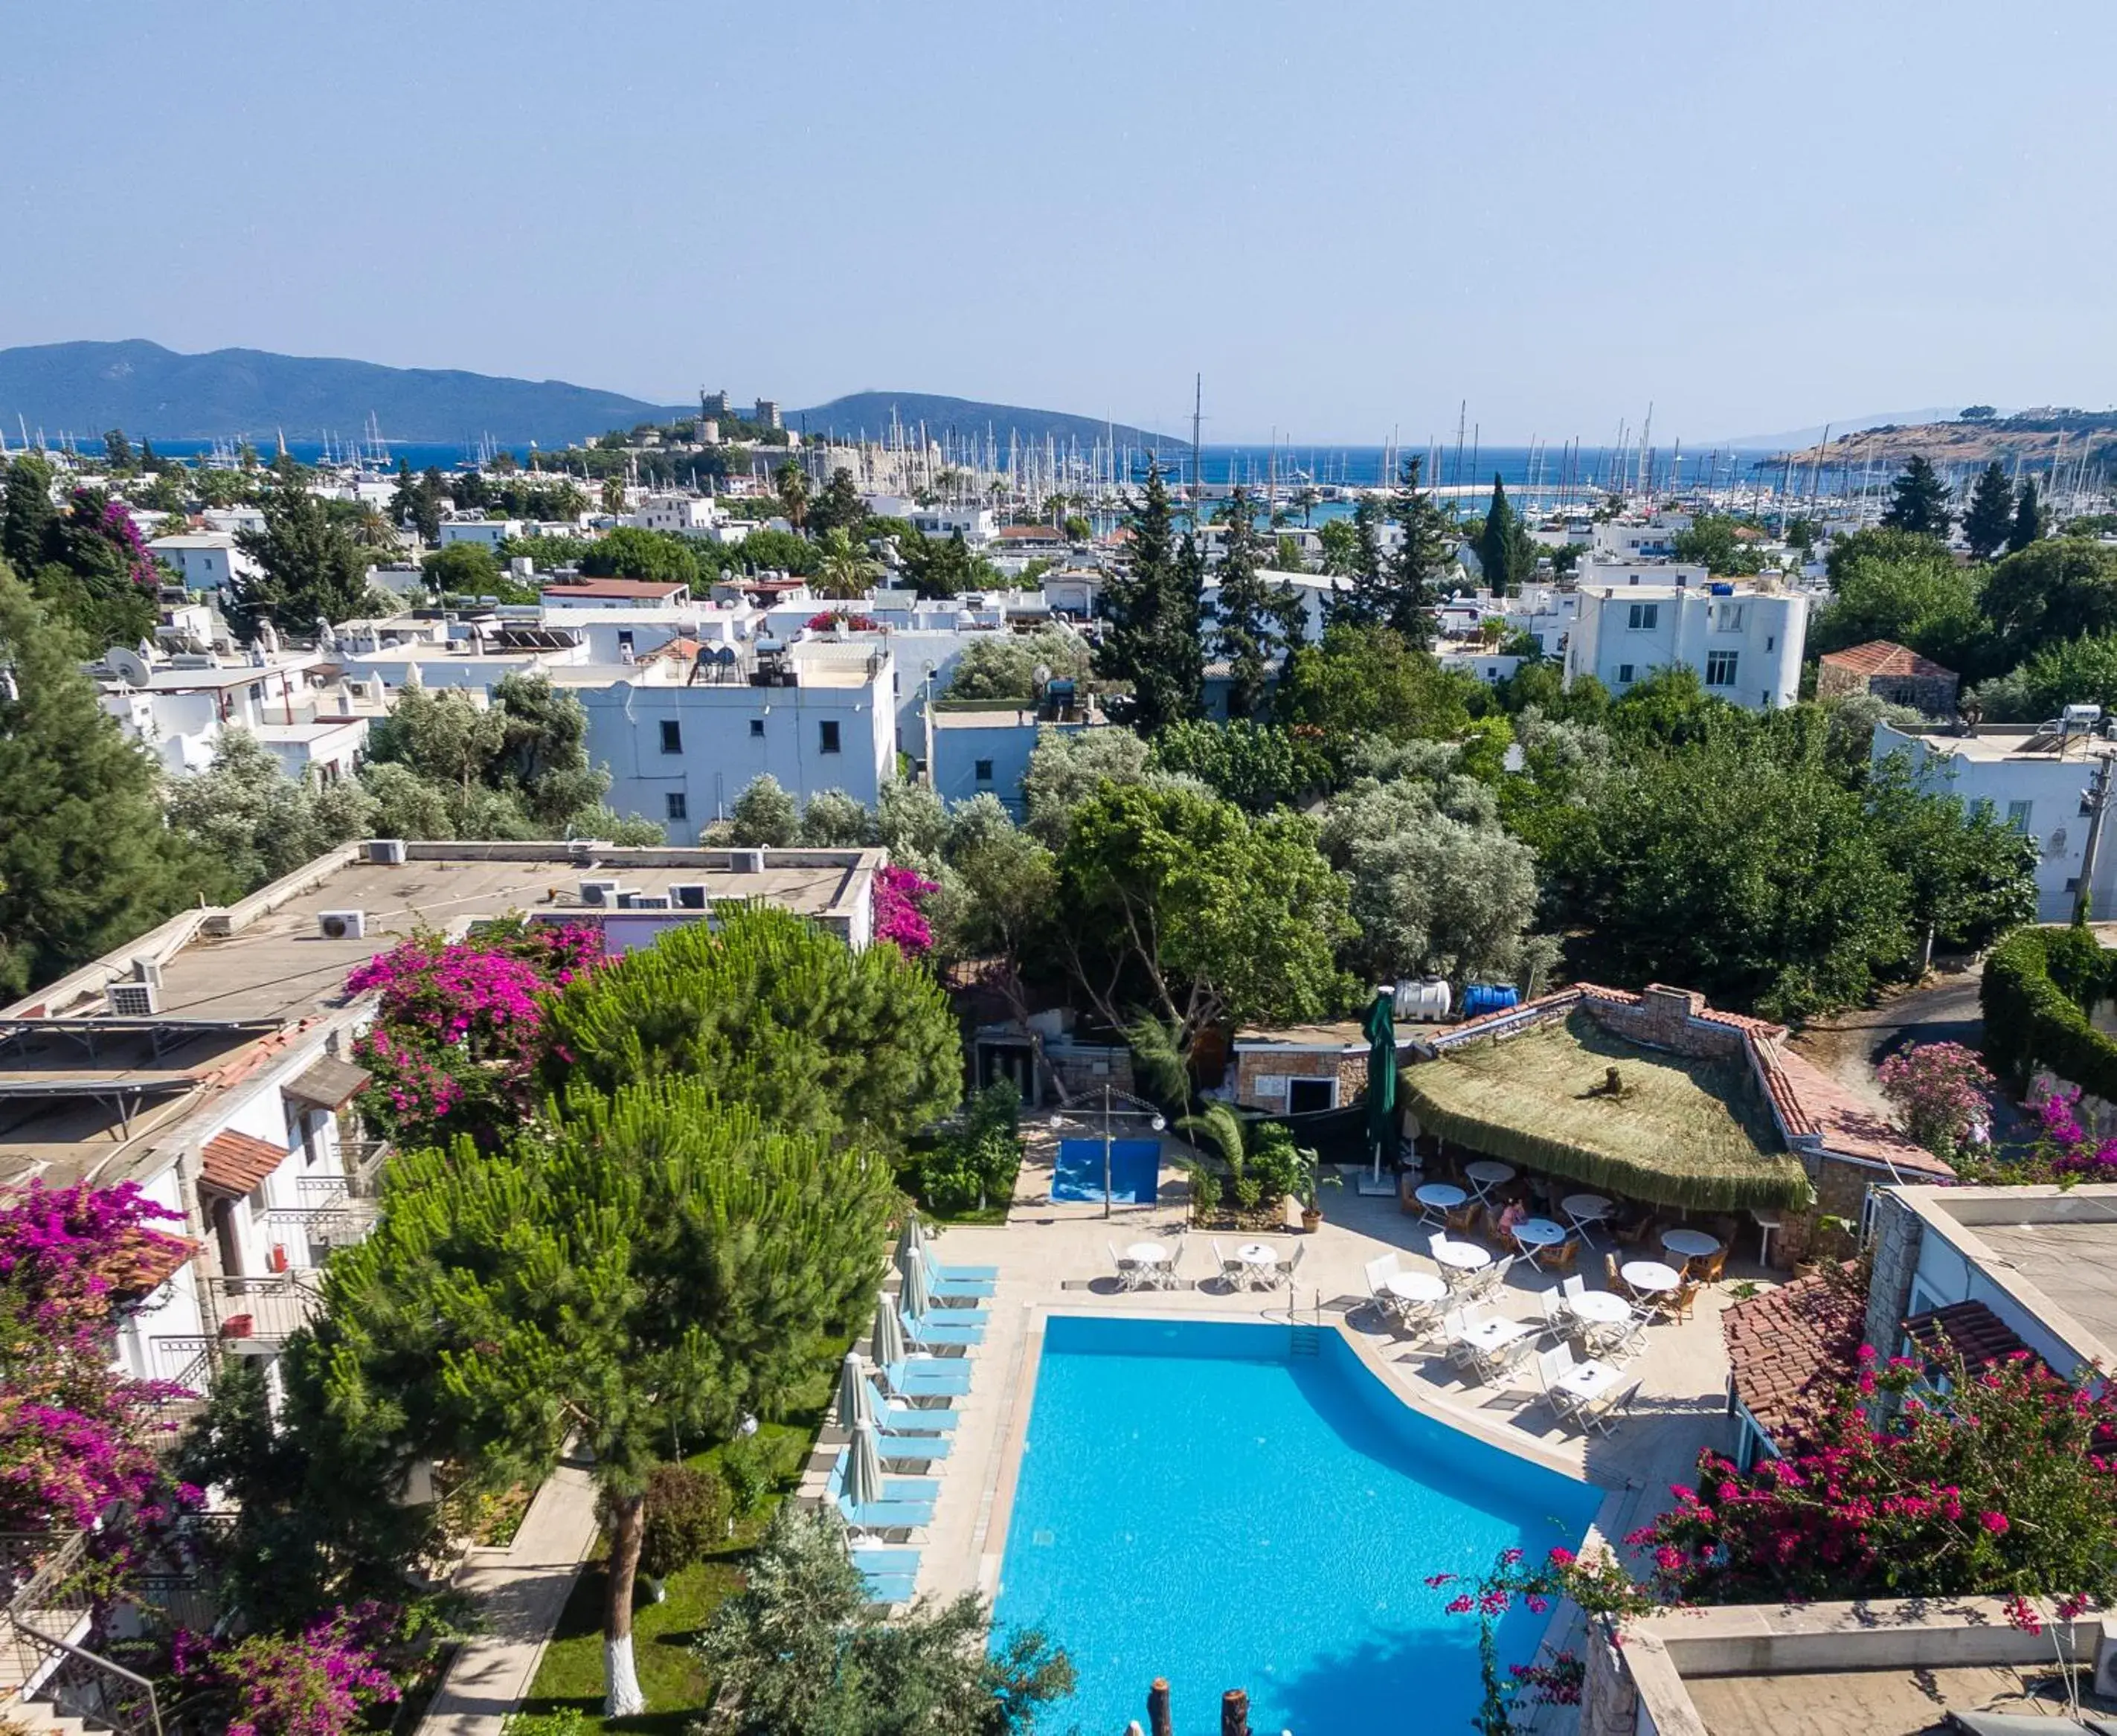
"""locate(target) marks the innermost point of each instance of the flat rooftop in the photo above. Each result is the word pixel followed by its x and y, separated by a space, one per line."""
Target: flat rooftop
pixel 1874 1703
pixel 1995 743
pixel 2052 1250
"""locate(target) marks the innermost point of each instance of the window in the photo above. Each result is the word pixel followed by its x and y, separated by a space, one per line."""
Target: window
pixel 1310 1096
pixel 1728 618
pixel 828 735
pixel 678 805
pixel 1645 617
pixel 757 729
pixel 2017 815
pixel 984 770
pixel 673 736
pixel 1771 641
pixel 1720 668
pixel 1624 675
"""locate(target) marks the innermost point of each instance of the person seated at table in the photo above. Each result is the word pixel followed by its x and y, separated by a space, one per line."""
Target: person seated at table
pixel 1511 1214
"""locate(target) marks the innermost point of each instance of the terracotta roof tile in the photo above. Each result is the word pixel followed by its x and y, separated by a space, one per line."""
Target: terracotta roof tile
pixel 236 1163
pixel 1790 1349
pixel 1979 1336
pixel 1885 657
pixel 1846 1125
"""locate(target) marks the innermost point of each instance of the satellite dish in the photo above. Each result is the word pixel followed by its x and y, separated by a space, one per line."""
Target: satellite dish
pixel 1043 674
pixel 128 665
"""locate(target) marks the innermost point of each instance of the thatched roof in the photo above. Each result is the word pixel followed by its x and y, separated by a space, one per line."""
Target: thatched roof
pixel 1682 1132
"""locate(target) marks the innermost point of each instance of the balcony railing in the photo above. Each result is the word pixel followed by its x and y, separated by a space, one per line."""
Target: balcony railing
pixel 47 1619
pixel 264 1311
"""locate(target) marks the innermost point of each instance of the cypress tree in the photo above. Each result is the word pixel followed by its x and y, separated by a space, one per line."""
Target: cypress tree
pixel 85 862
pixel 2027 528
pixel 1365 602
pixel 1991 513
pixel 1918 500
pixel 1497 544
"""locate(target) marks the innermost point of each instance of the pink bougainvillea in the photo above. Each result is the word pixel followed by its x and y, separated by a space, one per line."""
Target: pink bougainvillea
pixel 851 619
pixel 458 1023
pixel 899 895
pixel 317 1683
pixel 72 1430
pixel 109 520
pixel 1913 1481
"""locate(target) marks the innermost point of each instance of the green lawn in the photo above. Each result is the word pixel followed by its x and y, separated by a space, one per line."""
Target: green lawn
pixel 571 1673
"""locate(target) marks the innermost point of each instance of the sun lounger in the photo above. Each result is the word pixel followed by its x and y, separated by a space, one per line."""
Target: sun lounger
pixel 924 1448
pixel 894 1488
pixel 886 1515
pixel 891 1574
pixel 893 1419
pixel 928 1377
pixel 944 1286
pixel 936 1331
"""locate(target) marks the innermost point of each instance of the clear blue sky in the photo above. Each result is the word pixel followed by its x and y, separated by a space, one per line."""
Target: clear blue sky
pixel 1349 217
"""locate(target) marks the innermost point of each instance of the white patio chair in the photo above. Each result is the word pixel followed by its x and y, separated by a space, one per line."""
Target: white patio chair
pixel 1284 1273
pixel 1494 1277
pixel 1557 1318
pixel 1569 1287
pixel 1623 1340
pixel 1128 1271
pixel 1166 1278
pixel 1455 1341
pixel 1235 1275
pixel 1378 1272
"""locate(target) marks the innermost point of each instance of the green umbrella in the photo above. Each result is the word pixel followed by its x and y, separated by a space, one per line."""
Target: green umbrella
pixel 1381 1029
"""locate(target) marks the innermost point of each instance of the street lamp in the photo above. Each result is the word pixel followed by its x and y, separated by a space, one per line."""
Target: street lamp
pixel 1157 1121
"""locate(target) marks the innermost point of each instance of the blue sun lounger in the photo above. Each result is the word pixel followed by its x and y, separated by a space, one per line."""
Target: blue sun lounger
pixel 929 1448
pixel 894 1419
pixel 890 1573
pixel 929 1377
pixel 937 1328
pixel 945 1285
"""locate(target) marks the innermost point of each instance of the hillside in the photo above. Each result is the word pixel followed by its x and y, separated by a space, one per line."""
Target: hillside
pixel 146 389
pixel 960 416
pixel 2029 436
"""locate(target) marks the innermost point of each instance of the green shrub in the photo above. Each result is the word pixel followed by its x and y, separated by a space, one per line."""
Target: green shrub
pixel 2039 983
pixel 687 1515
pixel 749 1472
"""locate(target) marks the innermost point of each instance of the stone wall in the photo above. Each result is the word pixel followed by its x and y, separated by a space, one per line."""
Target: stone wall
pixel 1933 694
pixel 1898 1232
pixel 1666 1018
pixel 1841 1191
pixel 1609 1703
pixel 1253 1066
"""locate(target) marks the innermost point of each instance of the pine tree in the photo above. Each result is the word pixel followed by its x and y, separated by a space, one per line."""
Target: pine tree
pixel 85 862
pixel 1256 619
pixel 1365 602
pixel 1498 544
pixel 1918 500
pixel 1153 605
pixel 641 1271
pixel 2027 528
pixel 30 528
pixel 310 569
pixel 1426 536
pixel 1991 513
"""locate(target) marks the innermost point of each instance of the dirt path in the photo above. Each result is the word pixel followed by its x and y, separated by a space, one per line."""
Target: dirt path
pixel 1849 1046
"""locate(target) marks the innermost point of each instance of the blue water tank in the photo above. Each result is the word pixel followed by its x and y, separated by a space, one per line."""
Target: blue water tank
pixel 1481 998
pixel 1720 590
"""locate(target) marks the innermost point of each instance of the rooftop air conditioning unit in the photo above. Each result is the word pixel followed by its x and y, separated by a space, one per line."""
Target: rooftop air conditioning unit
pixel 746 862
pixel 688 894
pixel 389 852
pixel 133 999
pixel 599 892
pixel 342 925
pixel 648 902
pixel 148 971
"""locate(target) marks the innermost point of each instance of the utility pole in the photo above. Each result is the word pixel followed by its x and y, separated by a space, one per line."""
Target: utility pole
pixel 2097 796
pixel 1197 452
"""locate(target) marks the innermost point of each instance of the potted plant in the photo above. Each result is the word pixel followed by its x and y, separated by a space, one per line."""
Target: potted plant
pixel 238 1326
pixel 1307 1179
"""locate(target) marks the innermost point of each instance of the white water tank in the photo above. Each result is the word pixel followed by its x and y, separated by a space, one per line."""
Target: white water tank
pixel 1423 997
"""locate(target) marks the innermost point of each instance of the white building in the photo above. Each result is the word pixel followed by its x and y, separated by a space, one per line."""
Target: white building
pixel 1744 643
pixel 487 533
pixel 207 560
pixel 2034 778
pixel 681 734
pixel 178 707
pixel 687 515
pixel 1619 540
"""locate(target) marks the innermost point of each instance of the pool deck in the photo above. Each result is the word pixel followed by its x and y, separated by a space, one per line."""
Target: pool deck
pixel 1056 1260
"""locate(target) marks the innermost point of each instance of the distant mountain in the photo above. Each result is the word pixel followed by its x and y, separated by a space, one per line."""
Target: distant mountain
pixel 145 389
pixel 1793 439
pixel 872 411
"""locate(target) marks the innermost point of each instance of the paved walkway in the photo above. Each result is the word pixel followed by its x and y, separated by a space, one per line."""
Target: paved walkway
pixel 520 1592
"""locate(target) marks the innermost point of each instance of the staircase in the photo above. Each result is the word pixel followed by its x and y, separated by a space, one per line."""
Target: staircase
pixel 1305 1342
pixel 43 1719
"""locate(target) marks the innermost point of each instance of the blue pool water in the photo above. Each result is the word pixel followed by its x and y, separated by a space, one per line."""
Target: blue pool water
pixel 1135 1171
pixel 1201 1501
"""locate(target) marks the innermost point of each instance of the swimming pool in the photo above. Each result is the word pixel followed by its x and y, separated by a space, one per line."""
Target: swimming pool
pixel 1235 1505
pixel 1135 1171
